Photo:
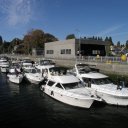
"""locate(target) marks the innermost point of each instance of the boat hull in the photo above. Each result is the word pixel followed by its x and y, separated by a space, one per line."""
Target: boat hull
pixel 15 79
pixel 67 98
pixel 34 79
pixel 113 99
pixel 4 69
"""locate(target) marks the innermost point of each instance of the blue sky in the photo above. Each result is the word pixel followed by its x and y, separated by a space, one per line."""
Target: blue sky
pixel 63 17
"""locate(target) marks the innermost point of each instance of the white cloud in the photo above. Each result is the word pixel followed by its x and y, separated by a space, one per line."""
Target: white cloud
pixel 16 11
pixel 110 30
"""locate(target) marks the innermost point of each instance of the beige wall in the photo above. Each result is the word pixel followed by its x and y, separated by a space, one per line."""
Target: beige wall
pixel 57 46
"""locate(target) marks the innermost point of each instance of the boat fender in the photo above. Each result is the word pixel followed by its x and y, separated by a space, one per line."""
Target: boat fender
pixel 52 93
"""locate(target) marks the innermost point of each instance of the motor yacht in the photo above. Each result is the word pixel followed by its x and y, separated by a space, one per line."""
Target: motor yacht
pixel 67 88
pixel 44 64
pixel 33 75
pixel 15 76
pixel 4 64
pixel 101 85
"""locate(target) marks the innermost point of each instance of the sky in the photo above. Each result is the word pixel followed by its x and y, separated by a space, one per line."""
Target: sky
pixel 84 18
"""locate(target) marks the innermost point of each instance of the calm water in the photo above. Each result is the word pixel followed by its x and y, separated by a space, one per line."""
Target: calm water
pixel 24 105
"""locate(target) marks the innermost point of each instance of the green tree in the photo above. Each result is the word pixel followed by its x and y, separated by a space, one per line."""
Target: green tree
pixel 1 41
pixel 70 36
pixel 118 44
pixel 13 43
pixel 109 39
pixel 126 44
pixel 106 39
pixel 49 37
pixel 4 47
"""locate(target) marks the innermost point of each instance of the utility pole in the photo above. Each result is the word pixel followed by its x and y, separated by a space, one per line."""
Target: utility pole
pixel 79 40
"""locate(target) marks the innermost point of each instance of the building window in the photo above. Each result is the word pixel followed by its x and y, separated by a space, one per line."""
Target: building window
pixel 62 51
pixel 50 51
pixel 65 51
pixel 68 51
pixel 95 52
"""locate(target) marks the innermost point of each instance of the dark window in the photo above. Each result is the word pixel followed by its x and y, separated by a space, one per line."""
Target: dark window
pixel 68 51
pixel 62 51
pixel 50 51
pixel 50 83
pixel 59 86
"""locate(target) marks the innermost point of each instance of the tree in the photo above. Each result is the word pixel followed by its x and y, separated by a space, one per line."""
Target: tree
pixel 1 41
pixel 36 39
pixel 126 44
pixel 13 43
pixel 27 42
pixel 4 47
pixel 118 44
pixel 109 39
pixel 106 39
pixel 70 36
pixel 49 37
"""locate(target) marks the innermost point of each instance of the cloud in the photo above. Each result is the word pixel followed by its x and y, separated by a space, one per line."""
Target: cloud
pixel 110 30
pixel 16 11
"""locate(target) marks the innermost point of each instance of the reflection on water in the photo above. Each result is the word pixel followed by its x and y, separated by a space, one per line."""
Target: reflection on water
pixel 14 88
pixel 25 105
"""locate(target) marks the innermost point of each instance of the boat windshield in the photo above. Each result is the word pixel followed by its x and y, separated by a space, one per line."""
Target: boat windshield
pixel 35 71
pixel 58 70
pixel 46 62
pixel 72 85
pixel 101 81
pixel 84 70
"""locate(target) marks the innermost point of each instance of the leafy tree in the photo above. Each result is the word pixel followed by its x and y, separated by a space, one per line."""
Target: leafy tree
pixel 36 39
pixel 4 47
pixel 27 44
pixel 49 38
pixel 13 43
pixel 70 36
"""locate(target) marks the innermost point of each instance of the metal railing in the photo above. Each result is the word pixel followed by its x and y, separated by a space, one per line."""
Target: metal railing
pixel 102 59
pixel 99 59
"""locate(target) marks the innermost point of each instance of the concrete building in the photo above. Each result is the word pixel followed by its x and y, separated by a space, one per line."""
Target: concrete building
pixel 68 49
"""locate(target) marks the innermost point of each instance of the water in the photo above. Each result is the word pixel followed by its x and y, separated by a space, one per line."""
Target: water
pixel 24 105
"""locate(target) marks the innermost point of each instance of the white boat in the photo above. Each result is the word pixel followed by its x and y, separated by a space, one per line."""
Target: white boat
pixel 44 64
pixel 26 63
pixel 4 65
pixel 67 89
pixel 17 65
pixel 101 85
pixel 15 76
pixel 2 60
pixel 33 75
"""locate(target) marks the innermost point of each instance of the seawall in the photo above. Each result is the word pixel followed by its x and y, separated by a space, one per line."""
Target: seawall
pixel 114 68
pixel 121 69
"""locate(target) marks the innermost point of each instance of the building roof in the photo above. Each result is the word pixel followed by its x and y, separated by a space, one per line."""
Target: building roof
pixel 91 41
